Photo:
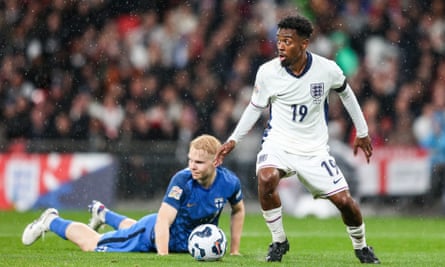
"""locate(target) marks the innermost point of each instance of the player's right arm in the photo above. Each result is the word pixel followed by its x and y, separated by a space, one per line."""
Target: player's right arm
pixel 362 139
pixel 166 216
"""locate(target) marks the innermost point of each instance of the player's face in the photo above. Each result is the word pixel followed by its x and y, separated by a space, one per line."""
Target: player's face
pixel 291 47
pixel 201 165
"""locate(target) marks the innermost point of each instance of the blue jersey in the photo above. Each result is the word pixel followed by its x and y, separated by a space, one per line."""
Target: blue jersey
pixel 197 205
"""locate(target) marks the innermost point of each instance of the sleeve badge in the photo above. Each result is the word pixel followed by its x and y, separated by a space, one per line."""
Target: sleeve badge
pixel 175 192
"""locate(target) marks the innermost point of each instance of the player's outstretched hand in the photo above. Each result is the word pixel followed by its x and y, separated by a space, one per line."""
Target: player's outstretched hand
pixel 365 144
pixel 225 149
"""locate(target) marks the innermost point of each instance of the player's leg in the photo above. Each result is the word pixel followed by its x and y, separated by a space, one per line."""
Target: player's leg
pixel 139 237
pixel 352 218
pixel 81 235
pixel 268 179
pixel 270 163
pixel 39 227
pixel 78 233
pixel 348 208
pixel 102 215
pixel 324 179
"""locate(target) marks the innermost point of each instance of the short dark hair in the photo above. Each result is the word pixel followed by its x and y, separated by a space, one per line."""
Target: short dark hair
pixel 300 24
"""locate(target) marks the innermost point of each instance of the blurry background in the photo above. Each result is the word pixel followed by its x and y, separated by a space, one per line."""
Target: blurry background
pixel 135 81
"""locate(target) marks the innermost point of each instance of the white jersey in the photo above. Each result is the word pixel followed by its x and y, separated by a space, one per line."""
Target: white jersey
pixel 298 104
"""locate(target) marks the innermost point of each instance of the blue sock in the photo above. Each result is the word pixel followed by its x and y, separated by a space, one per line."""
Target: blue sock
pixel 113 219
pixel 59 225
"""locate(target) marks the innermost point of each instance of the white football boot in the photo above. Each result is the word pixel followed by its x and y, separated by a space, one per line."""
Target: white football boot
pixel 97 210
pixel 37 228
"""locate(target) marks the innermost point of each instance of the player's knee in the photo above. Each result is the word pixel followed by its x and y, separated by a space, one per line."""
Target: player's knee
pixel 268 179
pixel 343 201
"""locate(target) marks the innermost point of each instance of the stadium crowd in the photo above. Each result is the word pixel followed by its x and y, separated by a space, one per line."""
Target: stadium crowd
pixel 171 70
pixel 166 70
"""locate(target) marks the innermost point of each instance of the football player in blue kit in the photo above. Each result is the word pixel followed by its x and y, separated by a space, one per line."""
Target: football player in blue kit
pixel 295 87
pixel 196 195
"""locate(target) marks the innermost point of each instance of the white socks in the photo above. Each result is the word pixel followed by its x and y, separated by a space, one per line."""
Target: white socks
pixel 357 235
pixel 274 222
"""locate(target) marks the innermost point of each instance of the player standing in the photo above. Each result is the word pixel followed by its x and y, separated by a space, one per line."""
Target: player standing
pixel 295 86
pixel 196 195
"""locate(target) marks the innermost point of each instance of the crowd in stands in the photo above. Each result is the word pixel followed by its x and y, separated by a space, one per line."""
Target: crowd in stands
pixel 170 70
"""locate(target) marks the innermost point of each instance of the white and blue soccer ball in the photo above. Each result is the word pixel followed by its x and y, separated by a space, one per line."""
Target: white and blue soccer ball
pixel 207 242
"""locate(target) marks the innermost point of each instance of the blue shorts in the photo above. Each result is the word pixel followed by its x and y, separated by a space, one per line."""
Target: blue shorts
pixel 137 238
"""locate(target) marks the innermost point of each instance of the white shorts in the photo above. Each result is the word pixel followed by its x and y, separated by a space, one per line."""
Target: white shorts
pixel 319 174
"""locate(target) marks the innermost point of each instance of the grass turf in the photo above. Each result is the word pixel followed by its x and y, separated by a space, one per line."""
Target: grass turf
pixel 398 241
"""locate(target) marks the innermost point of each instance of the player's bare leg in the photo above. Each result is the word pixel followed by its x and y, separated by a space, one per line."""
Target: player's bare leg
pixel 268 179
pixel 78 233
pixel 83 236
pixel 352 218
pixel 349 209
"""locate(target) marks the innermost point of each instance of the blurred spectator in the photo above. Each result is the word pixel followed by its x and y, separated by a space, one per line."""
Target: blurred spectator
pixel 422 125
pixel 79 116
pixel 435 141
pixel 354 16
pixel 188 126
pixel 39 123
pixel 109 113
pixel 16 118
pixel 62 126
pixel 402 134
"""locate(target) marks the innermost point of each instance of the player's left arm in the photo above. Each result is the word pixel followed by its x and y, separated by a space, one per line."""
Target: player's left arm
pixel 350 102
pixel 166 216
pixel 236 226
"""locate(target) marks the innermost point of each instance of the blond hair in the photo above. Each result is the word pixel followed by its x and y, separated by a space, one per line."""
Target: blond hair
pixel 206 142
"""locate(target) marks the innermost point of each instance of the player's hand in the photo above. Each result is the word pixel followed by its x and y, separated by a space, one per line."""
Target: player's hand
pixel 225 149
pixel 365 144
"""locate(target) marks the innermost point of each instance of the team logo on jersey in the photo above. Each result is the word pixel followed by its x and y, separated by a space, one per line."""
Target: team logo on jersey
pixel 219 202
pixel 175 192
pixel 317 91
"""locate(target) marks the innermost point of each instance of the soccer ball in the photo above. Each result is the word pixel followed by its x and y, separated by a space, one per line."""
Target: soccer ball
pixel 207 242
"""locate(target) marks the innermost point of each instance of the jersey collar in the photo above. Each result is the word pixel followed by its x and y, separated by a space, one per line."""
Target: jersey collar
pixel 306 68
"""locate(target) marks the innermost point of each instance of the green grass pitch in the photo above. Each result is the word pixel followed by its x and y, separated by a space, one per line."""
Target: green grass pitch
pixel 397 241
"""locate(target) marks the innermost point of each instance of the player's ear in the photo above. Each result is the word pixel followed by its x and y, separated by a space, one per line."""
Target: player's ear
pixel 304 44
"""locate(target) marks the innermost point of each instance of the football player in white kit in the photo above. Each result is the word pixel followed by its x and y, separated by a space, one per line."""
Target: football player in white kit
pixel 295 87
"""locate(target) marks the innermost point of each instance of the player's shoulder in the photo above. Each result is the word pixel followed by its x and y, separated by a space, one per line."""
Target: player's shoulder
pixel 318 60
pixel 182 176
pixel 226 174
pixel 270 66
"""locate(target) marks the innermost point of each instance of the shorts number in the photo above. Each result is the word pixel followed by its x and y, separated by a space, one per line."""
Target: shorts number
pixel 299 110
pixel 330 167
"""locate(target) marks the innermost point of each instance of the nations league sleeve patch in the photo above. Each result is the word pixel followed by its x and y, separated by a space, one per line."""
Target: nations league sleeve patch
pixel 175 192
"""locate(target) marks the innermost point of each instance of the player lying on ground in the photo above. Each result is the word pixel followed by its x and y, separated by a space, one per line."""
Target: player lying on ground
pixel 195 195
